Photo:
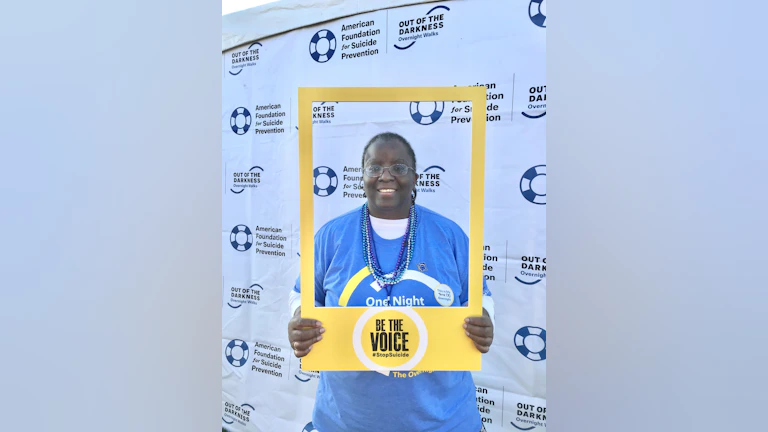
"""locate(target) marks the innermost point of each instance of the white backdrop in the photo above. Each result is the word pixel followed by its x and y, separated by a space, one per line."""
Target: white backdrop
pixel 499 44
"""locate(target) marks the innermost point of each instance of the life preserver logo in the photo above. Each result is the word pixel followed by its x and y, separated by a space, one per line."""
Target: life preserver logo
pixel 531 342
pixel 309 427
pixel 326 181
pixel 236 352
pixel 241 238
pixel 537 11
pixel 533 184
pixel 391 338
pixel 427 113
pixel 240 121
pixel 322 46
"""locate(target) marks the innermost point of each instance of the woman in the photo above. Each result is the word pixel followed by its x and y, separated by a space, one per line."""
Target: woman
pixel 388 235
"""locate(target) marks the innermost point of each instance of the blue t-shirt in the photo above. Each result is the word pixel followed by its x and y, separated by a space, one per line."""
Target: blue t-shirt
pixel 401 401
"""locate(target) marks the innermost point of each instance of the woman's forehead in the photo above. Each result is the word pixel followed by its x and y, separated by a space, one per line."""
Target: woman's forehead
pixel 390 149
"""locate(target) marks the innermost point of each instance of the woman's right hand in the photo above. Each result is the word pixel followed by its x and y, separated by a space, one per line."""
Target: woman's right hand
pixel 303 333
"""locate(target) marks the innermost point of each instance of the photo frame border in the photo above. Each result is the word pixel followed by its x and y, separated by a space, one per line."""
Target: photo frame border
pixel 449 347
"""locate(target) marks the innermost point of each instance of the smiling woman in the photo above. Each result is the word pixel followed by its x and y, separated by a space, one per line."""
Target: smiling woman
pixel 389 178
pixel 392 252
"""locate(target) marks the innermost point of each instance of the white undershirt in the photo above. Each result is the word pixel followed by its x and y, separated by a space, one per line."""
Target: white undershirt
pixel 390 229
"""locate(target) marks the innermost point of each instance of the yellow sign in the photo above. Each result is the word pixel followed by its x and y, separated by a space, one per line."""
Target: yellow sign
pixel 393 338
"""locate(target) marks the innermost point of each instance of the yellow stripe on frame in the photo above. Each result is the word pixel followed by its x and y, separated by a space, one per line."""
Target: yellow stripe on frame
pixel 477 204
pixel 306 204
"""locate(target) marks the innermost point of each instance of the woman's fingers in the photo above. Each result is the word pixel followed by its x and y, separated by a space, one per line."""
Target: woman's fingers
pixel 480 330
pixel 303 333
pixel 299 322
pixel 304 345
pixel 299 335
pixel 482 343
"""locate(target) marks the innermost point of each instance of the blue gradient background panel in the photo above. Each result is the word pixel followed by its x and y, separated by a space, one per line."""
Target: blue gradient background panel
pixel 110 183
pixel 656 215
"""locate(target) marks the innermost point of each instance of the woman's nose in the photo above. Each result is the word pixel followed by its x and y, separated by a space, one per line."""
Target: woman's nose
pixel 386 175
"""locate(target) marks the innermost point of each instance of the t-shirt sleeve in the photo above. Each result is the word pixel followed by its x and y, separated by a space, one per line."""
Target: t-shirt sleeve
pixel 461 252
pixel 323 254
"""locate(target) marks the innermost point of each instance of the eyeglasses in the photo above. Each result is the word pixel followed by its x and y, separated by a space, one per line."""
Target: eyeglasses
pixel 397 170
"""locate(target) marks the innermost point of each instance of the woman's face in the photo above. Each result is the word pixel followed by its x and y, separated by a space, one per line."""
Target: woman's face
pixel 389 197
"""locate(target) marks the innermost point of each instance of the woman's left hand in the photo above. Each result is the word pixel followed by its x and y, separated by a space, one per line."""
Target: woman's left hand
pixel 480 330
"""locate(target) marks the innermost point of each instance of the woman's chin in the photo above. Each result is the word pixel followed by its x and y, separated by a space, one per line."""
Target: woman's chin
pixel 387 204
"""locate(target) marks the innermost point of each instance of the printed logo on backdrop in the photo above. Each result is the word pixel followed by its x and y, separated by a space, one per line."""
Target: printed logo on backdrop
pixel 241 238
pixel 531 342
pixel 360 39
pixel 250 179
pixel 244 58
pixel 327 182
pixel 533 184
pixel 533 269
pixel 461 112
pixel 236 352
pixel 309 428
pixel 429 180
pixel 265 359
pixel 269 119
pixel 306 375
pixel 537 102
pixel 426 113
pixel 267 239
pixel 537 10
pixel 268 360
pixel 323 114
pixel 240 414
pixel 421 27
pixel 239 296
pixel 322 46
pixel 529 417
pixel 240 120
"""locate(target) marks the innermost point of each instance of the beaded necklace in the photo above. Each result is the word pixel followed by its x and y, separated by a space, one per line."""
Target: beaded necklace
pixel 387 280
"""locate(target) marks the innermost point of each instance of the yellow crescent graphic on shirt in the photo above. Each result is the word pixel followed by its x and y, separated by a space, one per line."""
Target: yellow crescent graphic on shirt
pixel 351 285
pixel 429 281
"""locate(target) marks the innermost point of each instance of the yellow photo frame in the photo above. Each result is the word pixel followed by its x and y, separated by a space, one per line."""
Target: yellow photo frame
pixel 437 333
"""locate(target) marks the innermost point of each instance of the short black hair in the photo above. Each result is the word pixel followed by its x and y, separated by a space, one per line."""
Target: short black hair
pixel 390 136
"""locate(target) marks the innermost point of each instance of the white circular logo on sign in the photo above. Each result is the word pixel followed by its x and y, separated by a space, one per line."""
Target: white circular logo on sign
pixel 444 295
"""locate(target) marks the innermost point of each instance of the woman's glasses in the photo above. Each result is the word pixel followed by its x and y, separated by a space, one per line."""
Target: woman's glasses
pixel 396 170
